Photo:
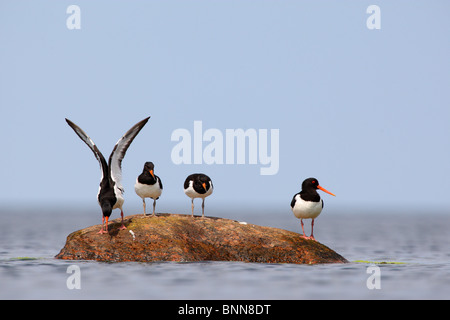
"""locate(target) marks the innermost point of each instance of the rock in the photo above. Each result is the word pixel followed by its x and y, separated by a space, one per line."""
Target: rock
pixel 176 237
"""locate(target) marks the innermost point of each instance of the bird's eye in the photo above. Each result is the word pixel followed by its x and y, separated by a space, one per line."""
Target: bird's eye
pixel 314 181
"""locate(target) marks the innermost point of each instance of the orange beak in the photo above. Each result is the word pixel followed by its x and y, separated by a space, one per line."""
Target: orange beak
pixel 204 186
pixel 151 172
pixel 325 190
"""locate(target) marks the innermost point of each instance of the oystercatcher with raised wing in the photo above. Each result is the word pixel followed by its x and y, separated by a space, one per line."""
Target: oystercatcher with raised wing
pixel 198 185
pixel 148 185
pixel 110 191
pixel 307 204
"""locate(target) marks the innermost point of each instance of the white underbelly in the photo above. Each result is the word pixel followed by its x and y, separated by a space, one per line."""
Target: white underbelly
pixel 147 191
pixel 306 209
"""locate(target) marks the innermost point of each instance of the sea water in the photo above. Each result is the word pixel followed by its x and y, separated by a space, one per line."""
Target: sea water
pixel 414 246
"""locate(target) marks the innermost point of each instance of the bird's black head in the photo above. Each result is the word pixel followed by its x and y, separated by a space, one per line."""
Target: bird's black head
pixel 310 183
pixel 313 184
pixel 149 167
pixel 204 181
pixel 106 208
pixel 201 182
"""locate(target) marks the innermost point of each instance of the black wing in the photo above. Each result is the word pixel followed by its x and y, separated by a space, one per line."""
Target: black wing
pixel 121 147
pixel 83 136
pixel 293 200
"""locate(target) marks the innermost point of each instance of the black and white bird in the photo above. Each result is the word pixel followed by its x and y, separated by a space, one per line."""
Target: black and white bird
pixel 110 191
pixel 307 204
pixel 148 185
pixel 198 185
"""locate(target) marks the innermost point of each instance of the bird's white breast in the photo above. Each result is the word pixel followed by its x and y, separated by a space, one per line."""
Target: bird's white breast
pixel 147 191
pixel 306 209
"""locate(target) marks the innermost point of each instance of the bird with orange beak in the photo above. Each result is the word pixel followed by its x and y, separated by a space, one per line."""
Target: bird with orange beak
pixel 110 192
pixel 198 185
pixel 307 204
pixel 148 185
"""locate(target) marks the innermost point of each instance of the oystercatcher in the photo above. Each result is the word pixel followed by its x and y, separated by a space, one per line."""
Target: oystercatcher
pixel 307 203
pixel 110 191
pixel 148 185
pixel 198 185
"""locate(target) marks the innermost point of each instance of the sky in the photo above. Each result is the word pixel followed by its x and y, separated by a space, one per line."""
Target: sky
pixel 365 111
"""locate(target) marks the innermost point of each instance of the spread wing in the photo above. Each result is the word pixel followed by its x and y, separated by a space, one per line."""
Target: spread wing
pixel 121 147
pixel 83 136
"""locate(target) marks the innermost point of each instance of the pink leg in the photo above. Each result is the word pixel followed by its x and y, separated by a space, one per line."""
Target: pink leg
pixel 303 236
pixel 312 231
pixel 123 226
